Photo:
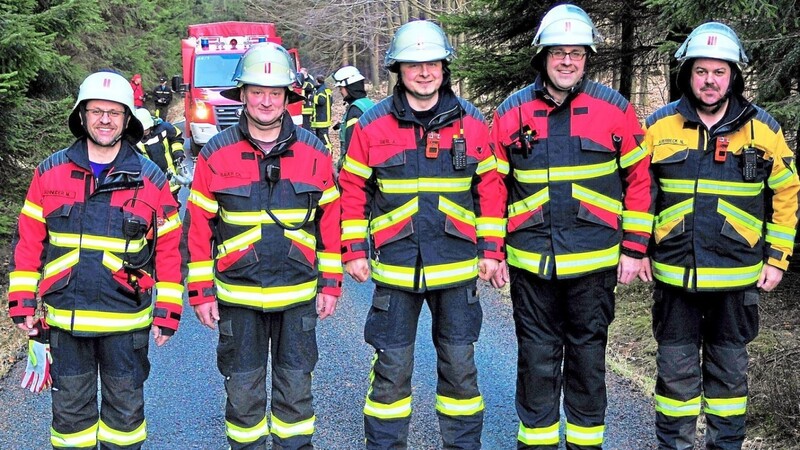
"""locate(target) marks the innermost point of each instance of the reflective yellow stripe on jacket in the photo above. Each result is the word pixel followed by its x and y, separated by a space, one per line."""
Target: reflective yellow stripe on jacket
pixel 267 298
pixel 707 277
pixel 99 321
pixel 434 276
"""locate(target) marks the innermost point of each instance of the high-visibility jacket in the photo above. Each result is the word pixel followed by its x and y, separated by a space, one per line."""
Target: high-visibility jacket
pixel 355 109
pixel 322 108
pixel 164 146
pixel 715 227
pixel 70 246
pixel 583 187
pixel 235 245
pixel 429 223
pixel 308 96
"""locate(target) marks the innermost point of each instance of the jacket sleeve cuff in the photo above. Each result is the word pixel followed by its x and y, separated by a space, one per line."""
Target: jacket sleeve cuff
pixel 777 257
pixel 331 285
pixel 632 253
pixel 201 293
pixel 634 245
pixel 354 250
pixel 780 264
pixel 491 249
pixel 166 320
pixel 20 306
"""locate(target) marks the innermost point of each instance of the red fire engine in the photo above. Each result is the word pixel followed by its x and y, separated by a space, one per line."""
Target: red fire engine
pixel 210 55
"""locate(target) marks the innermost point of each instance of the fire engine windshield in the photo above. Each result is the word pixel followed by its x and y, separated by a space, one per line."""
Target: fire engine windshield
pixel 215 70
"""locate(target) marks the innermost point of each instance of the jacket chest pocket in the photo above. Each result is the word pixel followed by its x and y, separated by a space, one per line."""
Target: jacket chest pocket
pixel 233 191
pixel 593 152
pixel 388 161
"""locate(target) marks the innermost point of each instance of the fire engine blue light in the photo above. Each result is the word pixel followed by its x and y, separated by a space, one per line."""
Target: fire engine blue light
pixel 204 43
pixel 262 39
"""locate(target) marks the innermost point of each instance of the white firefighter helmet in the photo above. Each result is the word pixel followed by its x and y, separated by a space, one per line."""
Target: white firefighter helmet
pixel 346 76
pixel 418 41
pixel 109 86
pixel 144 117
pixel 566 25
pixel 265 64
pixel 713 40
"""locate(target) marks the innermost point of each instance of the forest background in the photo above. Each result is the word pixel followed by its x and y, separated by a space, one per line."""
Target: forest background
pixel 48 46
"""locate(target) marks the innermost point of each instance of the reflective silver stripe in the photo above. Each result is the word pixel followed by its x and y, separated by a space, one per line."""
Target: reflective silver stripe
pixel 91 242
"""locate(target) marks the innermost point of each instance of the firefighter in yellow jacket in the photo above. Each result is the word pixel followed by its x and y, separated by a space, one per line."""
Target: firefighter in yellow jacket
pixel 726 217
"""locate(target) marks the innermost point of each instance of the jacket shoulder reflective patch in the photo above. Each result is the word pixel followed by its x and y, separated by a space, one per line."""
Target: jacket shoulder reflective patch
pixel 605 94
pixel 670 109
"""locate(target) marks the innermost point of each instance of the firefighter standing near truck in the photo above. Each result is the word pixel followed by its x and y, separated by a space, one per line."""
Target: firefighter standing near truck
pixel 308 87
pixel 321 119
pixel 725 226
pixel 351 85
pixel 262 227
pixel 579 219
pixel 420 182
pixel 163 144
pixel 98 232
pixel 162 97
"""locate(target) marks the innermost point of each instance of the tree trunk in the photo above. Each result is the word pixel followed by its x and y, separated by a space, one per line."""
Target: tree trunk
pixel 626 52
pixel 375 62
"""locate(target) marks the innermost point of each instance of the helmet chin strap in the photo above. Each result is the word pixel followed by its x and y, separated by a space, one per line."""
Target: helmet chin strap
pixel 713 108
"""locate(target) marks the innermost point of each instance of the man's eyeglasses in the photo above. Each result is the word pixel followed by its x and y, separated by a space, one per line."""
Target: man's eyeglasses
pixel 575 55
pixel 97 113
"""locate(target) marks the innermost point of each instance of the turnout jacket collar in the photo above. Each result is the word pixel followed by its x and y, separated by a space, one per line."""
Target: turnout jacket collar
pixel 540 90
pixel 738 112
pixel 447 109
pixel 286 137
pixel 127 159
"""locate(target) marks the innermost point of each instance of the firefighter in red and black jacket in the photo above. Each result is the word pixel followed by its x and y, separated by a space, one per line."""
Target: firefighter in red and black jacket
pixel 98 231
pixel 580 193
pixel 421 183
pixel 263 233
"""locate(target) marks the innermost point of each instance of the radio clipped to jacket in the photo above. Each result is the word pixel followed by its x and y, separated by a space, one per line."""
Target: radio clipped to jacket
pixel 459 153
pixel 749 163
